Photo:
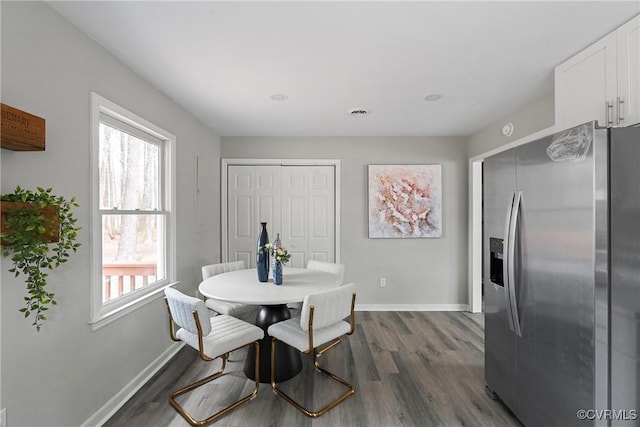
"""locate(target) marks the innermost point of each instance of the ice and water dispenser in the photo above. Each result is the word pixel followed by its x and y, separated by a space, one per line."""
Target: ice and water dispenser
pixel 495 260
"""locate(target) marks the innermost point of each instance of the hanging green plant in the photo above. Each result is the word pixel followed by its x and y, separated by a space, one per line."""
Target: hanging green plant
pixel 39 233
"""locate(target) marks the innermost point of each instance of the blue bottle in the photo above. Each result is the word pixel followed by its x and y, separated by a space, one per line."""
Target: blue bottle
pixel 262 262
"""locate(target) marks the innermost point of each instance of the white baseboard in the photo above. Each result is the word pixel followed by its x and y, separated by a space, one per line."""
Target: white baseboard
pixel 412 307
pixel 117 401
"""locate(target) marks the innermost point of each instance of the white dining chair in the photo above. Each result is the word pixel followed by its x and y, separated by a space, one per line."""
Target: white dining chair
pixel 243 311
pixel 318 330
pixel 328 267
pixel 213 337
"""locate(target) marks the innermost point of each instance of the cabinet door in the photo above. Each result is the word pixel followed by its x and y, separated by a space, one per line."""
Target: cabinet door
pixel 628 40
pixel 584 83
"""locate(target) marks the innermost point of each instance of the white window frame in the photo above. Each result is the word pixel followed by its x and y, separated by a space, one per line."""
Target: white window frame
pixel 105 313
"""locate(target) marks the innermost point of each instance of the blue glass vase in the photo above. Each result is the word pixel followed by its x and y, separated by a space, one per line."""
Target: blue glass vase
pixel 277 273
pixel 262 262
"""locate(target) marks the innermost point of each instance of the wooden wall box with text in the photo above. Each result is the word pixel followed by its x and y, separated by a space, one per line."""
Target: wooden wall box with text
pixel 21 131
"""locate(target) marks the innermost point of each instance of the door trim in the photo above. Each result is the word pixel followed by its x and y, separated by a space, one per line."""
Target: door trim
pixel 226 162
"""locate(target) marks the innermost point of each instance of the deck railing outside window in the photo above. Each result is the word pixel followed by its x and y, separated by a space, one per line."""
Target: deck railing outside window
pixel 120 279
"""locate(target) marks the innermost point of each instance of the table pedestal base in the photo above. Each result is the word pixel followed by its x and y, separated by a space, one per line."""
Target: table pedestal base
pixel 289 362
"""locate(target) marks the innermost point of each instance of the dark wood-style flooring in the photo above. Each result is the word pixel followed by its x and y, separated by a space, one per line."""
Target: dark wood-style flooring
pixel 408 368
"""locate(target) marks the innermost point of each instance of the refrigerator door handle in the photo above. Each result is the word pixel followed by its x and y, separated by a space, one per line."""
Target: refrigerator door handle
pixel 511 250
pixel 505 265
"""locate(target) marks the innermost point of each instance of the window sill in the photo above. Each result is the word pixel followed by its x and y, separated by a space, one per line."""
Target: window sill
pixel 103 319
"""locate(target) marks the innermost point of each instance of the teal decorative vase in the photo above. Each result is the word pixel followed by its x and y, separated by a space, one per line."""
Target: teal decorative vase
pixel 277 273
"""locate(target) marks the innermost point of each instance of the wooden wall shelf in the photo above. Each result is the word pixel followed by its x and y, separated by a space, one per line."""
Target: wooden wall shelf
pixel 21 131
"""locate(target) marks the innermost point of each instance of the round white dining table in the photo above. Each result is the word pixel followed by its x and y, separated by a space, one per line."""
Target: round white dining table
pixel 242 286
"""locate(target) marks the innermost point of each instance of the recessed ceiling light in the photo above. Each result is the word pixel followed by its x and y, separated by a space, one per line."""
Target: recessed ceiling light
pixel 433 97
pixel 359 112
pixel 279 97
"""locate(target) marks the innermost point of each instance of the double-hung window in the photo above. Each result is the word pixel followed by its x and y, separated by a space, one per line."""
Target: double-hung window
pixel 132 221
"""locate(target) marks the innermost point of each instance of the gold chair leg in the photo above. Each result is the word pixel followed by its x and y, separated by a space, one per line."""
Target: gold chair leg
pixel 212 377
pixel 308 412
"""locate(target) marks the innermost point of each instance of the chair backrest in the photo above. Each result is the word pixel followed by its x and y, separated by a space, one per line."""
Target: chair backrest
pixel 225 267
pixel 329 307
pixel 182 307
pixel 328 267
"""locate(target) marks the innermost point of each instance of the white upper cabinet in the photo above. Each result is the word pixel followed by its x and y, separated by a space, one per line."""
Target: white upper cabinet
pixel 601 82
pixel 628 37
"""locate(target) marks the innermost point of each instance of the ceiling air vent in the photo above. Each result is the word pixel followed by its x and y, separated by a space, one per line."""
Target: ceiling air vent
pixel 358 112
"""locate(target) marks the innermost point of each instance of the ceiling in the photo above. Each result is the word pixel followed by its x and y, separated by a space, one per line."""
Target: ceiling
pixel 223 61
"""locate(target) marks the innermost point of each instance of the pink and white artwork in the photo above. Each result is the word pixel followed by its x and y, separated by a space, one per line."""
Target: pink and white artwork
pixel 405 201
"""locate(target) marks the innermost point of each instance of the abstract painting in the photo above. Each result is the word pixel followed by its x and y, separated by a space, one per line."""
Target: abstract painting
pixel 405 201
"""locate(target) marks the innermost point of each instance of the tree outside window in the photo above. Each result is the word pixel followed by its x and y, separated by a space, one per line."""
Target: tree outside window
pixel 132 221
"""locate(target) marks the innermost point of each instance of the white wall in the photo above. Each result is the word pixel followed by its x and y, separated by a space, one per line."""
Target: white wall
pixel 66 373
pixel 430 273
pixel 529 118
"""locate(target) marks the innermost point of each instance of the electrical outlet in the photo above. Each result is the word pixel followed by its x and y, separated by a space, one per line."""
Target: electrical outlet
pixel 383 282
pixel 3 417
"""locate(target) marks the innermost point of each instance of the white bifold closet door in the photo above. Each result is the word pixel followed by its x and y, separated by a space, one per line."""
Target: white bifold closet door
pixel 296 201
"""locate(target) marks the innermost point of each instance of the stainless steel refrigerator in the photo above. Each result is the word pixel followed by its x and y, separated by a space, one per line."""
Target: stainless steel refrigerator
pixel 562 277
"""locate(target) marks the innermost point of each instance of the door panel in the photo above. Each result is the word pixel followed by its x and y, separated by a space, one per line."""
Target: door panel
pixel 322 214
pixel 294 214
pixel 319 209
pixel 308 195
pixel 555 286
pixel 243 224
pixel 625 271
pixel 243 227
pixel 268 197
pixel 253 196
pixel 240 213
pixel 499 185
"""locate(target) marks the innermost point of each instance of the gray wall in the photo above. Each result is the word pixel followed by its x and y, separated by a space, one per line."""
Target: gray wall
pixel 531 117
pixel 418 271
pixel 64 374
